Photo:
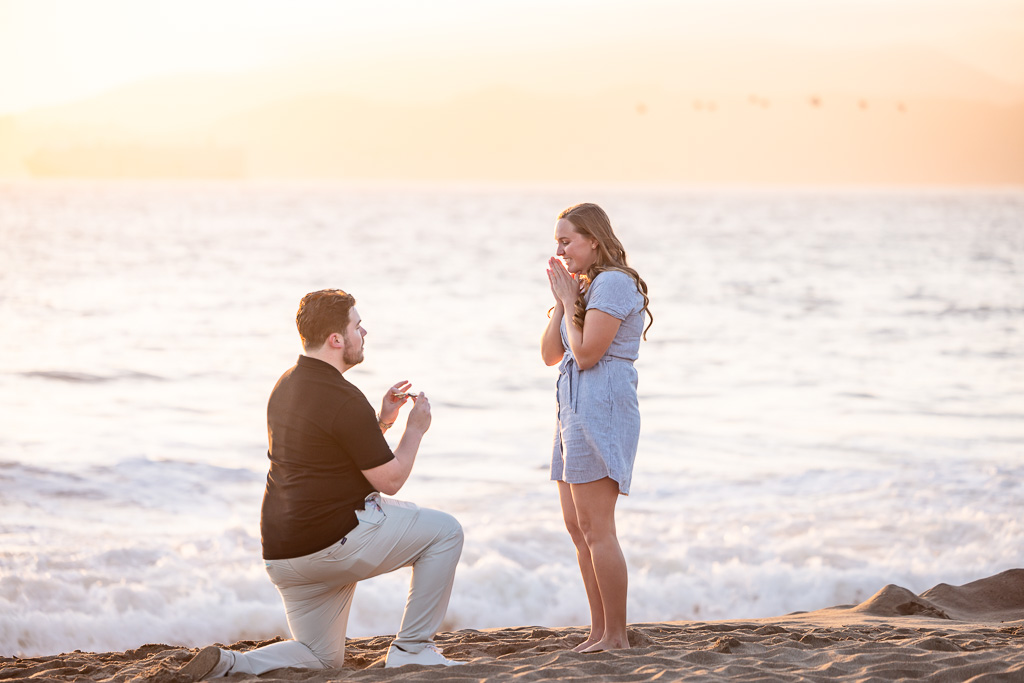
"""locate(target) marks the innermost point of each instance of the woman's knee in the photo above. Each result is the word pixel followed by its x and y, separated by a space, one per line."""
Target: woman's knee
pixel 572 525
pixel 594 537
pixel 595 530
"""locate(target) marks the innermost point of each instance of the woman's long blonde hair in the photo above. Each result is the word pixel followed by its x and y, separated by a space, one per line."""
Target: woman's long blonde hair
pixel 591 221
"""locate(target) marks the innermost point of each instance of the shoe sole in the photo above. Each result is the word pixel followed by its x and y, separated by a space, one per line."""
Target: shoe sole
pixel 200 666
pixel 388 662
pixel 446 662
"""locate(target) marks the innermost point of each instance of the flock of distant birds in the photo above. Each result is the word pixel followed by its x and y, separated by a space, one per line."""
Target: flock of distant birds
pixel 814 101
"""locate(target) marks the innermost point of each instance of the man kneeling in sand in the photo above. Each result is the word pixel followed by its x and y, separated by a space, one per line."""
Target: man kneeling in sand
pixel 324 524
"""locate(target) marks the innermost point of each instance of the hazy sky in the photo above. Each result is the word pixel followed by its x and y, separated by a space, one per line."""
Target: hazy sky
pixel 54 51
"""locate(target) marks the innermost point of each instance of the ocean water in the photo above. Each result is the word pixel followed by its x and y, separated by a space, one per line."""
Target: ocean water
pixel 832 397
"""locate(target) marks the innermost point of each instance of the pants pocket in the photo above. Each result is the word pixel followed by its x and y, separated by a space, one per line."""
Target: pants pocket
pixel 372 512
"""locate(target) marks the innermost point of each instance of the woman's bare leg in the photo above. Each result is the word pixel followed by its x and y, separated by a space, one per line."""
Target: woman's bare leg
pixel 586 567
pixel 595 513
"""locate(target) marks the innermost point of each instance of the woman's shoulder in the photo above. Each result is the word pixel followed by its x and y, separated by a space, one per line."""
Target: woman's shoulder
pixel 614 292
pixel 613 276
pixel 614 281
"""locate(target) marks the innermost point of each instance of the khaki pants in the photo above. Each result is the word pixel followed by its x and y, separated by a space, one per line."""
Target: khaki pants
pixel 317 589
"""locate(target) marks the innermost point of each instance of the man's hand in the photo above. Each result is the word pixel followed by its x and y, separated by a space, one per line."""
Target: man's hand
pixel 394 399
pixel 392 475
pixel 419 416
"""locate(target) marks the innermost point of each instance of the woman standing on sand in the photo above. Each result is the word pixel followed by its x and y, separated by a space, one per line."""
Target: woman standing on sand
pixel 594 333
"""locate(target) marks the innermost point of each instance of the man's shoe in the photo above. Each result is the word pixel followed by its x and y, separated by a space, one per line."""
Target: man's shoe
pixel 429 656
pixel 208 663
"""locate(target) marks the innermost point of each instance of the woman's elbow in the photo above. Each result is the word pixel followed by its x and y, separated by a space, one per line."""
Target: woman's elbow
pixel 551 357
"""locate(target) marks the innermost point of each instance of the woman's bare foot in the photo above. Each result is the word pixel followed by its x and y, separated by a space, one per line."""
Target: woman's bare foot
pixel 609 644
pixel 589 642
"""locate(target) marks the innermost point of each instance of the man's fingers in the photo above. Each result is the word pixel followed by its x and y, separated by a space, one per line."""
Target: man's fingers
pixel 399 391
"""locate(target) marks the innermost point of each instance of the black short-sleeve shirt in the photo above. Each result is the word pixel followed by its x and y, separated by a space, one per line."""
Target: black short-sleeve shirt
pixel 322 433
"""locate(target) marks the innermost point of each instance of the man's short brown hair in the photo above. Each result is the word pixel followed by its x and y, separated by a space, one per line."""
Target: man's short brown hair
pixel 321 314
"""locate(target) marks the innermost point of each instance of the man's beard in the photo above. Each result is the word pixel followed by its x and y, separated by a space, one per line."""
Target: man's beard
pixel 352 356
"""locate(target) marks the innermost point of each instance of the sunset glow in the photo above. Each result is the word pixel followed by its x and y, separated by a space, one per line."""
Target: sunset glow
pixel 153 74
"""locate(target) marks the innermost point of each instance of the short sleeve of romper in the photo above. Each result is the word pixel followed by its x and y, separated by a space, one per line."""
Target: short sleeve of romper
pixel 614 293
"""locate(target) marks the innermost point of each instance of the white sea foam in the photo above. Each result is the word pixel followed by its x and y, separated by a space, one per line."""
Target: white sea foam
pixel 831 397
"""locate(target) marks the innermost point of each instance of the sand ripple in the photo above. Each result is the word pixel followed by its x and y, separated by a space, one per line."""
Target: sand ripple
pixel 971 633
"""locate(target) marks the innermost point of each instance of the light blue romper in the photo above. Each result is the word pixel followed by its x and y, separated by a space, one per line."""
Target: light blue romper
pixel 598 415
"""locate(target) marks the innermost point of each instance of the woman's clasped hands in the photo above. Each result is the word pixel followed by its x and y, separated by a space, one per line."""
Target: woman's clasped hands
pixel 564 285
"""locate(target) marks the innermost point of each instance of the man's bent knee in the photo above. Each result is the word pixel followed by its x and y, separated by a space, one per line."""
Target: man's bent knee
pixel 455 531
pixel 447 526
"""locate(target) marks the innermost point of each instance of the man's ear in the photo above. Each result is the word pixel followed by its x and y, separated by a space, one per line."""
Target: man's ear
pixel 336 340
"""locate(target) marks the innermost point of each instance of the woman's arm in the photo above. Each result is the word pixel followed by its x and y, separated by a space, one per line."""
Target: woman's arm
pixel 590 343
pixel 551 349
pixel 599 328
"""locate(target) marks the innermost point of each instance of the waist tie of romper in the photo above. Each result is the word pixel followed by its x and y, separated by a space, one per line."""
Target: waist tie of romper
pixel 572 373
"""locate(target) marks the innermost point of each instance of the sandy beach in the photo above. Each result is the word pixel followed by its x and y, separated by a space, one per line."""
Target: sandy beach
pixel 973 632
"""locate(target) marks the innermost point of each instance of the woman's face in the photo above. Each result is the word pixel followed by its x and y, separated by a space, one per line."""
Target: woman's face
pixel 576 251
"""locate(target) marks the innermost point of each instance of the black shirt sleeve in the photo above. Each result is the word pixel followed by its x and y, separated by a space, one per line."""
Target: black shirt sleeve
pixel 356 430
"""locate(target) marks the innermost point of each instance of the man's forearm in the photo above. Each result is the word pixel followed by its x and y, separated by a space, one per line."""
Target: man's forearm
pixel 405 454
